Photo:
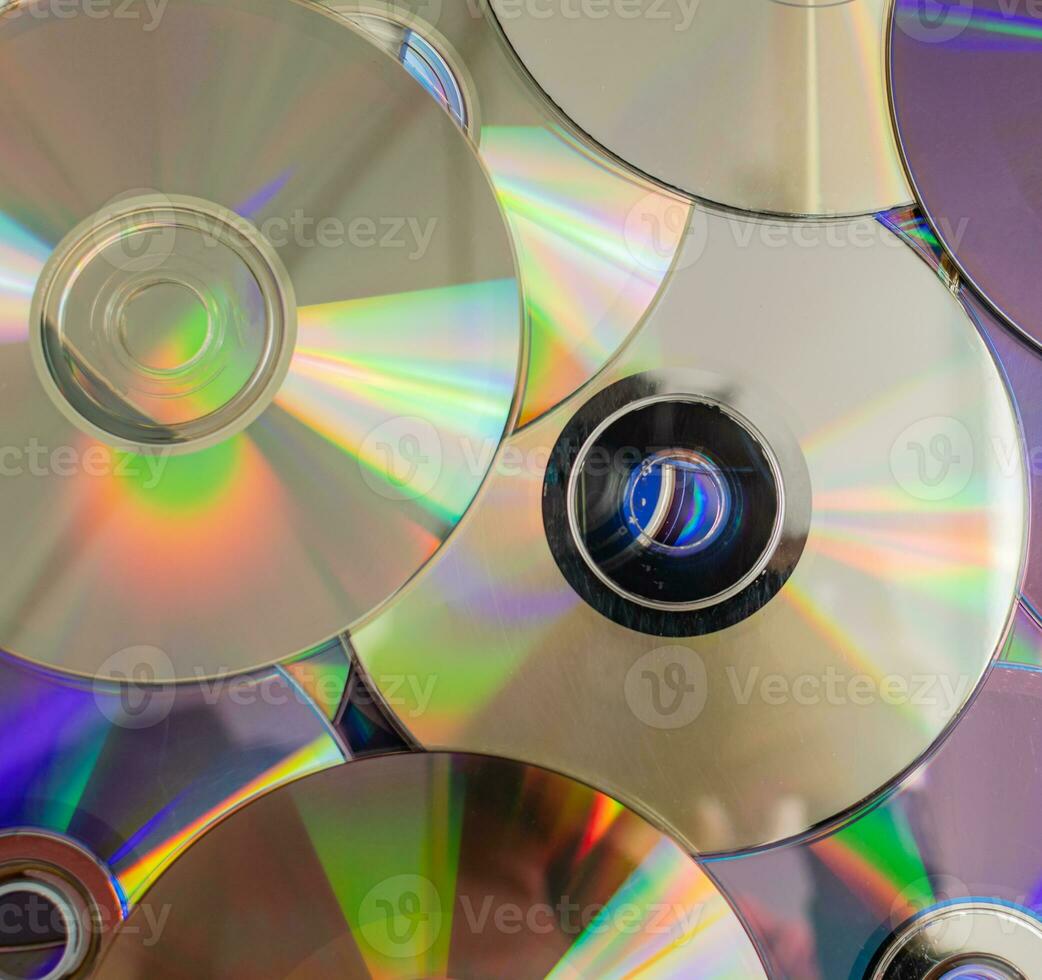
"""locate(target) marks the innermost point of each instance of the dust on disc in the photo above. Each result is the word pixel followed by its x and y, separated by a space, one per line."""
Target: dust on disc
pixel 960 829
pixel 436 866
pixel 886 478
pixel 754 104
pixel 960 75
pixel 594 241
pixel 260 325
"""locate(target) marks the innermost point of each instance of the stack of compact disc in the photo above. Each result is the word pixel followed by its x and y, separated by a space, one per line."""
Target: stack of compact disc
pixel 520 490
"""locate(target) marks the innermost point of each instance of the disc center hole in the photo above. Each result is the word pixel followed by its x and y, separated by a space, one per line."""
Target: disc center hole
pixel 40 935
pixel 677 500
pixel 164 326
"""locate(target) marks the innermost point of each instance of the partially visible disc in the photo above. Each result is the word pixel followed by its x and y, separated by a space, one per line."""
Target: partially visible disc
pixel 760 105
pixel 960 831
pixel 963 84
pixel 823 414
pixel 435 866
pixel 594 241
pixel 971 940
pixel 259 323
pixel 135 772
pixel 1021 363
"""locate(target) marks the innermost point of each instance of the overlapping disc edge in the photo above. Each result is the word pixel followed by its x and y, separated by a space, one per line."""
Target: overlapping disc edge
pixel 595 241
pixel 956 832
pixel 967 146
pixel 433 864
pixel 441 350
pixel 79 792
pixel 524 621
pixel 796 153
pixel 1026 651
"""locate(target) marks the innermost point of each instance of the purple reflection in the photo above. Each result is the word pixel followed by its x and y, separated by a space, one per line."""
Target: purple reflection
pixel 125 772
pixel 964 824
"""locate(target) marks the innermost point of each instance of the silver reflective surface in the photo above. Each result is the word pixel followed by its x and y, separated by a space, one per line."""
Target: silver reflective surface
pixel 764 105
pixel 259 316
pixel 971 941
pixel 429 865
pixel 594 241
pixel 914 534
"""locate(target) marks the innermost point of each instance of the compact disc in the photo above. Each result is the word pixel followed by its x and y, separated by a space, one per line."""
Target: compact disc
pixel 958 832
pixel 258 318
pixel 594 242
pixel 436 866
pixel 709 583
pixel 135 772
pixel 765 106
pixel 961 74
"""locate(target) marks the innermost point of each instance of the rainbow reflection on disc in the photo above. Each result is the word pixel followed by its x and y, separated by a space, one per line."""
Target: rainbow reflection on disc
pixel 768 107
pixel 898 558
pixel 961 827
pixel 1021 365
pixel 260 333
pixel 594 242
pixel 437 865
pixel 135 773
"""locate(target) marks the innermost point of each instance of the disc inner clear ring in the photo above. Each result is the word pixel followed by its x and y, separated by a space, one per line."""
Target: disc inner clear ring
pixel 753 572
pixel 770 444
pixel 76 941
pixel 938 943
pixel 78 337
pixel 423 50
pixel 206 508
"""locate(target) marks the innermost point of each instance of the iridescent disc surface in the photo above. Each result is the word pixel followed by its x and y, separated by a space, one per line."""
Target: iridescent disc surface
pixel 135 773
pixel 1021 363
pixel 903 537
pixel 594 242
pixel 755 104
pixel 962 826
pixel 963 82
pixel 258 323
pixel 436 866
